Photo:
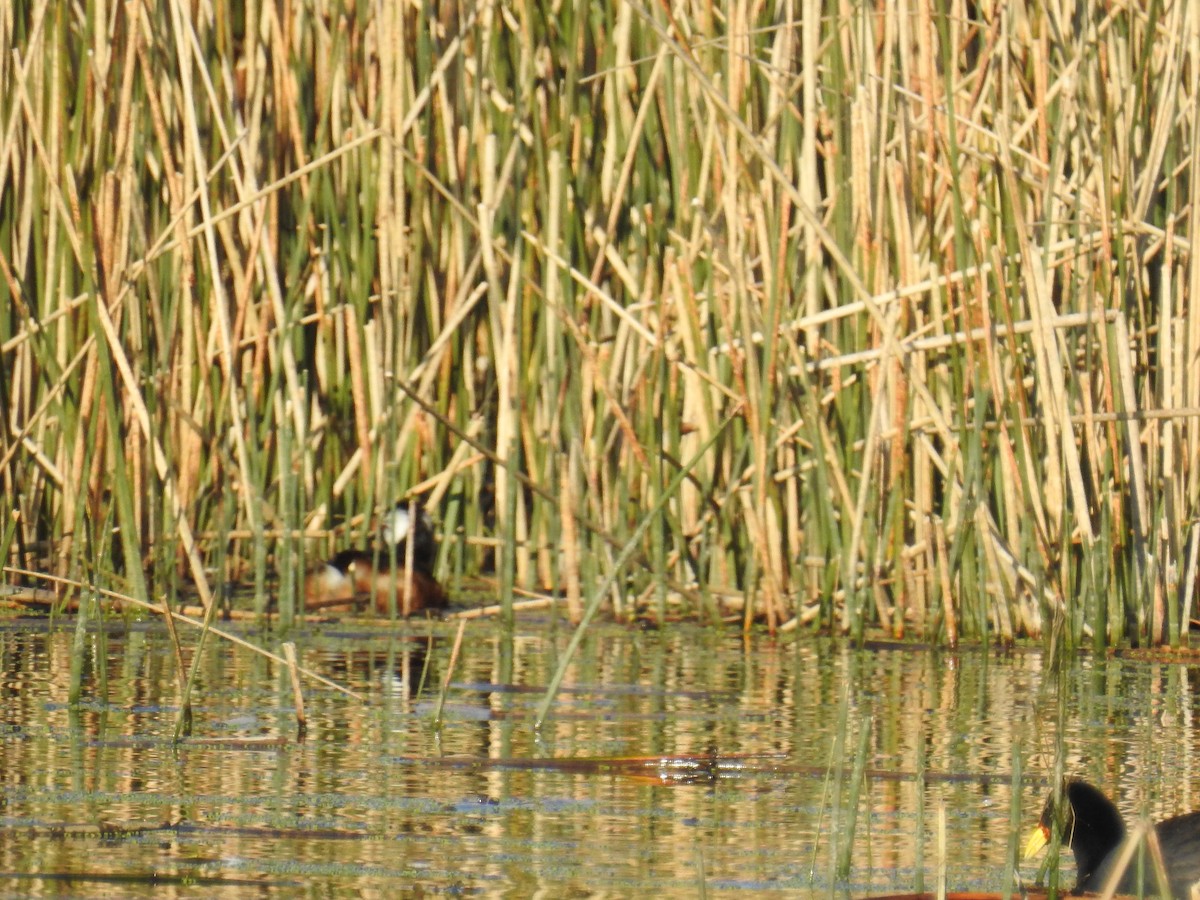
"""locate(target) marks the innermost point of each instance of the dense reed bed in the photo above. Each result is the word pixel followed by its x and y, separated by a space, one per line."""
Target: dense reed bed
pixel 841 315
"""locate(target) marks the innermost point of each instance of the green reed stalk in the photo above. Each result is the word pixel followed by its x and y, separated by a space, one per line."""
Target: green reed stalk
pixel 258 457
pixel 920 785
pixel 937 266
pixel 289 598
pixel 79 651
pixel 834 784
pixel 127 525
pixel 183 724
pixel 857 781
pixel 598 595
pixel 1012 859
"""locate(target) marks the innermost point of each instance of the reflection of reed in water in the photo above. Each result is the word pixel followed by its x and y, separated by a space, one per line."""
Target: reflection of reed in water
pixel 399 667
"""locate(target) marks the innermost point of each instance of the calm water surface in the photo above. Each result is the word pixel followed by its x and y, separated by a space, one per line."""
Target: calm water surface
pixel 377 802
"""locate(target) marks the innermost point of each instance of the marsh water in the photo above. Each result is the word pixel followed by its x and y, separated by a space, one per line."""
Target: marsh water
pixel 677 762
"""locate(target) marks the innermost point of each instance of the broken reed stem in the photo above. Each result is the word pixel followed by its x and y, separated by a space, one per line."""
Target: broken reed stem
pixel 289 653
pixel 445 688
pixel 180 617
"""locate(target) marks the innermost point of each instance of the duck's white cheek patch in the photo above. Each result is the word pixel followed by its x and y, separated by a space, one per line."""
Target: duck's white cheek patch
pixel 395 529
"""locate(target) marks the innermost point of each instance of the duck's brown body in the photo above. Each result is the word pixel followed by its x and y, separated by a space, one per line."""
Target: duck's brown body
pixel 379 586
pixel 330 584
pixel 351 577
pixel 354 575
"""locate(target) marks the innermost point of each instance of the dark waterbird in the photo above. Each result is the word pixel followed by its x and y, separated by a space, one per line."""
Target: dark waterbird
pixel 1094 830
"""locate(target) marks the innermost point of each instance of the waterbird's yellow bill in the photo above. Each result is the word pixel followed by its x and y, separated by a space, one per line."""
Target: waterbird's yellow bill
pixel 1038 838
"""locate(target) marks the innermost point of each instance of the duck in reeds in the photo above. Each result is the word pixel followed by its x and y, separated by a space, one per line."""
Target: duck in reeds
pixel 354 574
pixel 1094 830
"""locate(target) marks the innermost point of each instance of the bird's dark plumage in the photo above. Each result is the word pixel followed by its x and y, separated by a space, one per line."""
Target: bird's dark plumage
pixel 400 528
pixel 1093 829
